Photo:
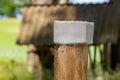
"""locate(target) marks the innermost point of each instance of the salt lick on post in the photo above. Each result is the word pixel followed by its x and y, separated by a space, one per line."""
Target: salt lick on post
pixel 71 51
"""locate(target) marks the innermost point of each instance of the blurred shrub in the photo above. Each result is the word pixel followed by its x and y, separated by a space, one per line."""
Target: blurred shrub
pixel 104 75
pixel 14 71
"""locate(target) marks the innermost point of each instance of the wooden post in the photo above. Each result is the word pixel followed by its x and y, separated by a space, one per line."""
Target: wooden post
pixel 71 53
pixel 34 62
pixel 107 55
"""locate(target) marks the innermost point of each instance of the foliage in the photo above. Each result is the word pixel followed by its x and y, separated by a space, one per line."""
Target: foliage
pixel 13 70
pixel 104 75
pixel 9 7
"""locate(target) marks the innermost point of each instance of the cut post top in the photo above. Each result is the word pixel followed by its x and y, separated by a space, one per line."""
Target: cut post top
pixel 73 32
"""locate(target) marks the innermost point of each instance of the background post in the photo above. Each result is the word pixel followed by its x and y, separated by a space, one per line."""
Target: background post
pixel 71 51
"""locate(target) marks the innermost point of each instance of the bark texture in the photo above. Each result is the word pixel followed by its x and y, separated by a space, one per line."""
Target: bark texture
pixel 71 62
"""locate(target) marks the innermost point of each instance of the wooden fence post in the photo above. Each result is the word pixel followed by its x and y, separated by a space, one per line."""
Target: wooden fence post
pixel 34 62
pixel 71 52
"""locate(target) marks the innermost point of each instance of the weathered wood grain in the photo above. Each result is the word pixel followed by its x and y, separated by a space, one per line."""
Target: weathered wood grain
pixel 71 62
pixel 105 16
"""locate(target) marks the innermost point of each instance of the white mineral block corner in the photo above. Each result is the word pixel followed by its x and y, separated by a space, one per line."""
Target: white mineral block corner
pixel 73 32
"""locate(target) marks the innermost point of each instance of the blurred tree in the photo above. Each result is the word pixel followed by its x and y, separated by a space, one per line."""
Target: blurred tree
pixel 9 7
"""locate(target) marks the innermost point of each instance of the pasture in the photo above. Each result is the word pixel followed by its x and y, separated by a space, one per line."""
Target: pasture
pixel 13 58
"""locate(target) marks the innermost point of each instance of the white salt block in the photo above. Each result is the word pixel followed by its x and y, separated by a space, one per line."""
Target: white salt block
pixel 73 32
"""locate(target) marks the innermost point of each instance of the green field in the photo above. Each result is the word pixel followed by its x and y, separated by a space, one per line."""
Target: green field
pixel 8 34
pixel 13 58
pixel 11 54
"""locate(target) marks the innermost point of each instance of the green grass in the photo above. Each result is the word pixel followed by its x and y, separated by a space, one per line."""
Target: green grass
pixel 8 35
pixel 13 58
pixel 11 54
pixel 14 70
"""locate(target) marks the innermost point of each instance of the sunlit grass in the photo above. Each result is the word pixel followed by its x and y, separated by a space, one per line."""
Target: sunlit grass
pixel 8 34
pixel 13 58
pixel 13 70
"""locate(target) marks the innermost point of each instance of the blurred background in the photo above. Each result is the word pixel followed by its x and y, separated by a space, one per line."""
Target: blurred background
pixel 26 29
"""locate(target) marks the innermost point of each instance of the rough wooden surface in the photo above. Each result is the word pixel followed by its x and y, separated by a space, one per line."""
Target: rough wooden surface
pixel 71 62
pixel 37 22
